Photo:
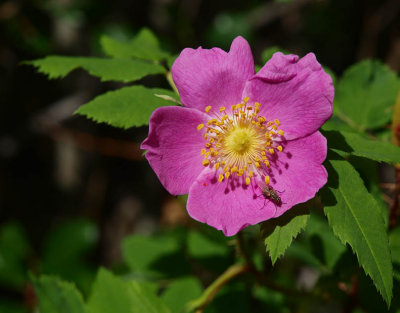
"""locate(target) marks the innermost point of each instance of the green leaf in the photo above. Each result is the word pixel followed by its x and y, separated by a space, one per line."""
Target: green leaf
pixel 359 145
pixel 366 94
pixel 126 107
pixel 279 232
pixel 14 250
pixel 355 218
pixel 66 251
pixel 58 296
pixel 144 46
pixel 394 242
pixel 181 291
pixel 332 248
pixel 201 246
pixel 155 256
pixel 369 172
pixel 110 294
pixel 124 70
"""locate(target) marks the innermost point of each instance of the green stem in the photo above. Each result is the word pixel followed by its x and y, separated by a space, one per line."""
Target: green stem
pixel 200 303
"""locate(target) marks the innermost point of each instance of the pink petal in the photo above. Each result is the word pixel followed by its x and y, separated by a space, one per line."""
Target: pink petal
pixel 296 176
pixel 228 206
pixel 212 76
pixel 173 147
pixel 298 172
pixel 296 92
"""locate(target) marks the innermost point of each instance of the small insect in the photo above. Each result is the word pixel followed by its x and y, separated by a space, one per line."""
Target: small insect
pixel 271 194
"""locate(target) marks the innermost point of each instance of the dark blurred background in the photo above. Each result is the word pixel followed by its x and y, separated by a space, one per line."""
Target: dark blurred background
pixel 55 167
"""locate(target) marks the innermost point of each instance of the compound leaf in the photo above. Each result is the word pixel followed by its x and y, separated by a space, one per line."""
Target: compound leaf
pixel 126 107
pixel 355 218
pixel 124 70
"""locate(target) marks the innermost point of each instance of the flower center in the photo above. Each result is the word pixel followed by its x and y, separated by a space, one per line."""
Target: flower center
pixel 240 140
pixel 241 143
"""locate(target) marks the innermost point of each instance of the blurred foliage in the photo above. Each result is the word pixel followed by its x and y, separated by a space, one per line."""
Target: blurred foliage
pixel 72 191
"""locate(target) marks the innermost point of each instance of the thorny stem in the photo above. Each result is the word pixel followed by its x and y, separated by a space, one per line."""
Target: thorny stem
pixel 395 208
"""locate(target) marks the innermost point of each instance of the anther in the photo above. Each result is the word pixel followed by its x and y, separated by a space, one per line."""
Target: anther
pixel 279 148
pixel 220 178
pixel 206 162
pixel 246 99
pixel 200 126
pixel 216 166
pixel 277 122
pixel 208 108
pixel 271 151
pixel 281 132
pixel 247 181
pixel 227 174
pixel 221 109
pixel 267 180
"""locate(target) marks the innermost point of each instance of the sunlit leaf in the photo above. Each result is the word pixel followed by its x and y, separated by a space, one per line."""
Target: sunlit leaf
pixel 359 145
pixel 279 232
pixel 126 107
pixel 124 70
pixel 355 218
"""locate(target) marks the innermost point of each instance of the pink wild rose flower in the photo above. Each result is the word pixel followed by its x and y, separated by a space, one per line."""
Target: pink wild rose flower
pixel 241 133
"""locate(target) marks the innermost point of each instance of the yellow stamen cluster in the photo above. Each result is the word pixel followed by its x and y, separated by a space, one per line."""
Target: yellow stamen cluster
pixel 241 142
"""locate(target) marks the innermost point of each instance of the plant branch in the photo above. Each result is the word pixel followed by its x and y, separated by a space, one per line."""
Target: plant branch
pixel 208 295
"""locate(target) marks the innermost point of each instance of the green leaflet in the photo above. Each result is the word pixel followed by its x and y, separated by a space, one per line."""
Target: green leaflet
pixel 155 256
pixel 143 46
pixel 110 294
pixel 359 145
pixel 355 218
pixel 124 70
pixel 14 251
pixel 181 291
pixel 332 248
pixel 365 95
pixel 58 296
pixel 126 107
pixel 278 233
